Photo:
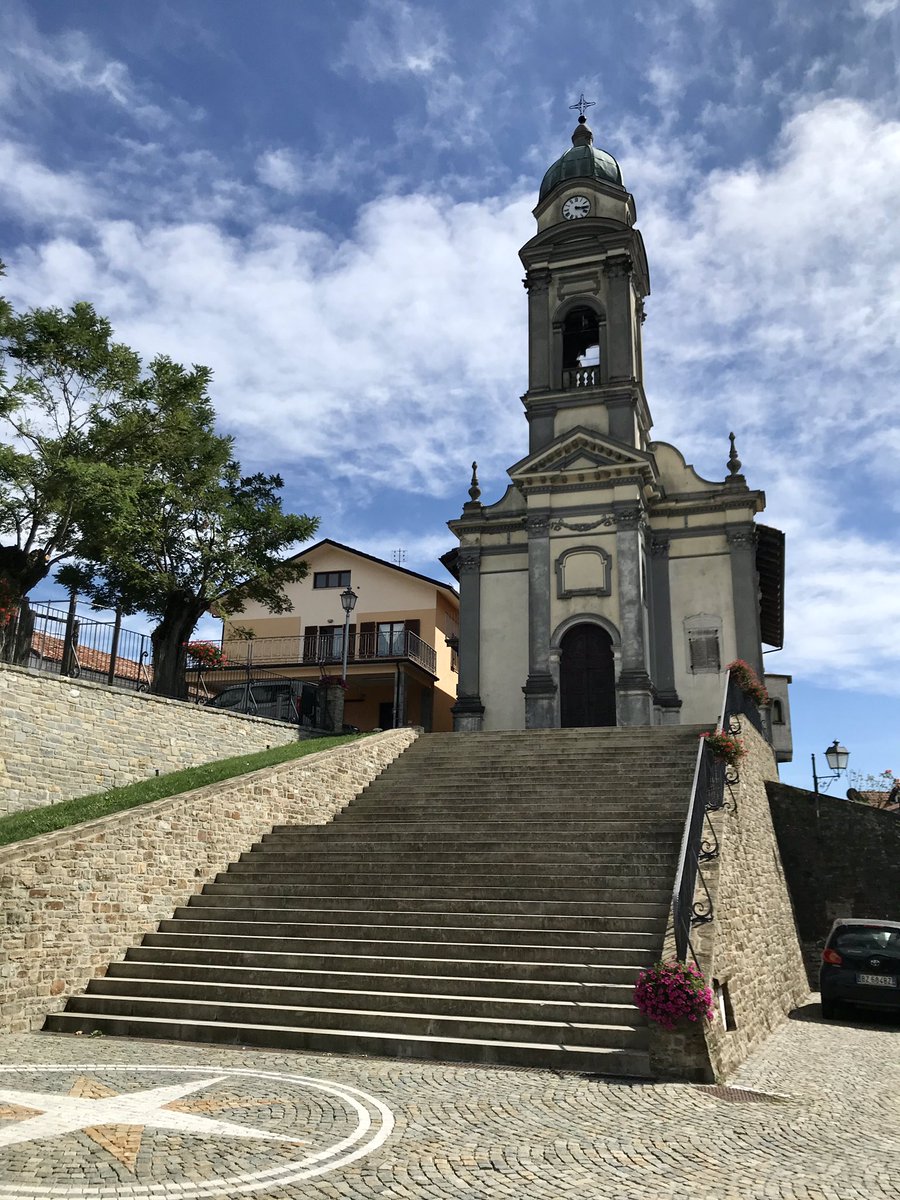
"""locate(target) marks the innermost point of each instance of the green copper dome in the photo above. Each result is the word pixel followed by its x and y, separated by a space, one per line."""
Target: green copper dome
pixel 583 161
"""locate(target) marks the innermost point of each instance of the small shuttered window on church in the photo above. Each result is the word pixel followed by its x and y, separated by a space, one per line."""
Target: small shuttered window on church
pixel 703 649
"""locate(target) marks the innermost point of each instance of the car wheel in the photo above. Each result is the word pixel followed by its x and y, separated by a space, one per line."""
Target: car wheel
pixel 830 1008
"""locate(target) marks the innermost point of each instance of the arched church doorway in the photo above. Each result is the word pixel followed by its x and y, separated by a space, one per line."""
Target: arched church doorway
pixel 587 677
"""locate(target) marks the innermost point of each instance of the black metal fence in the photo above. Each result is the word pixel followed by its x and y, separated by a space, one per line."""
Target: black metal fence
pixel 68 643
pixel 317 648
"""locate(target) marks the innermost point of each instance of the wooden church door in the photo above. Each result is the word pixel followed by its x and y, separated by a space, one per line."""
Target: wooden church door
pixel 587 677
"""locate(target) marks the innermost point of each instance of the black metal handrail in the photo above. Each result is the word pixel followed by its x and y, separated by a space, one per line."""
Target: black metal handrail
pixel 736 703
pixel 699 843
pixel 707 795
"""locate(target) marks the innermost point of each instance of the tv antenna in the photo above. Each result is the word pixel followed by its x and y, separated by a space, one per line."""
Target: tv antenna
pixel 398 557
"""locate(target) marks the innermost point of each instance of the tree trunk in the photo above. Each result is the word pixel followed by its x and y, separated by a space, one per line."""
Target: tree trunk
pixel 168 640
pixel 19 573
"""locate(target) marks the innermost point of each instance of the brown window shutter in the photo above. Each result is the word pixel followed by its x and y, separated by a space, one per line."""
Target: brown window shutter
pixel 351 640
pixel 413 627
pixel 310 643
pixel 367 639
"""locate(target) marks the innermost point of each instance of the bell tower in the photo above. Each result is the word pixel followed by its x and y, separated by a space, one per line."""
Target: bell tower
pixel 586 277
pixel 611 584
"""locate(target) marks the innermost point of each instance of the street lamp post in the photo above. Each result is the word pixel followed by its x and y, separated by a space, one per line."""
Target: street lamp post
pixel 348 603
pixel 837 757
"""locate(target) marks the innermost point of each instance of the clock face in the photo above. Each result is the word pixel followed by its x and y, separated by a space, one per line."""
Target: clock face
pixel 576 206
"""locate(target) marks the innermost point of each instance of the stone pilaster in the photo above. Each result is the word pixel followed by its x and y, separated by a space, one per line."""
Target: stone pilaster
pixel 537 284
pixel 540 688
pixel 468 711
pixel 620 339
pixel 745 593
pixel 667 698
pixel 634 688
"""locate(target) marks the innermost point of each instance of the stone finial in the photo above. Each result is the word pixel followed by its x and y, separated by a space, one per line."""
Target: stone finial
pixel 583 135
pixel 474 489
pixel 734 463
pixel 735 479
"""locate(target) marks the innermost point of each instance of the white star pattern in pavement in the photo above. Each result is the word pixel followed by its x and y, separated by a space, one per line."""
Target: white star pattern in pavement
pixel 67 1114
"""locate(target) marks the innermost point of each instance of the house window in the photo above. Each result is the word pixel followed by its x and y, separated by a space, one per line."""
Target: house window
pixel 391 639
pixel 703 650
pixel 331 579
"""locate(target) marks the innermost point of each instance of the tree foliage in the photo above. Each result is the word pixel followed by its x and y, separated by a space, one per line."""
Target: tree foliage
pixel 194 530
pixel 61 377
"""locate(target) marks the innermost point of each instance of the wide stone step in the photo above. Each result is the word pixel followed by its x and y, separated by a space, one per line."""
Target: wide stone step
pixel 258 953
pixel 247 887
pixel 553 852
pixel 444 1004
pixel 635 826
pixel 295 923
pixel 561 1056
pixel 462 918
pixel 457 882
pixel 569 991
pixel 627 899
pixel 475 867
pixel 415 838
pixel 423 1024
pixel 248 935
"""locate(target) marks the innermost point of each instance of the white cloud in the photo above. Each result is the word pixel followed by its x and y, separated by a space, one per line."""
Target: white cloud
pixel 394 38
pixel 34 63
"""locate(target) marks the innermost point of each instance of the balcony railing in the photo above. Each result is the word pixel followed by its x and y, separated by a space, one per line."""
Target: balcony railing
pixel 328 649
pixel 581 377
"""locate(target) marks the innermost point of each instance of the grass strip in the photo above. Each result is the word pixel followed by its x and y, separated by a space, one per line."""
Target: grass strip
pixel 34 821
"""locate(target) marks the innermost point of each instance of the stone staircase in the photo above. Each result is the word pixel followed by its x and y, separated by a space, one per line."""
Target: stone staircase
pixel 490 897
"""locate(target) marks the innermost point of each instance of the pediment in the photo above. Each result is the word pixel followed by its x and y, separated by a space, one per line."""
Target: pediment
pixel 583 451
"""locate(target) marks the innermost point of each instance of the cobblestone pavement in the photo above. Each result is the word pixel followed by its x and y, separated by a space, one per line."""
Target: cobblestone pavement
pixel 818 1119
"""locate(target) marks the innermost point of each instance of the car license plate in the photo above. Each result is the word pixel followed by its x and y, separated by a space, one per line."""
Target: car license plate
pixel 878 980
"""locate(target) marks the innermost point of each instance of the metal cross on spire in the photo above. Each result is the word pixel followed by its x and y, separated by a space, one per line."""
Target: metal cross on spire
pixel 582 104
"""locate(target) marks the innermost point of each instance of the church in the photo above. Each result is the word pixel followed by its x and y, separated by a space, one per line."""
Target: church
pixel 610 584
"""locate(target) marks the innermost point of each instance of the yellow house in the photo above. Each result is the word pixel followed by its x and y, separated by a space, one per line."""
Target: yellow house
pixel 401 638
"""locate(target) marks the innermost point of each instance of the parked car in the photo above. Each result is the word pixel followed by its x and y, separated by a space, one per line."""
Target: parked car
pixel 286 700
pixel 861 965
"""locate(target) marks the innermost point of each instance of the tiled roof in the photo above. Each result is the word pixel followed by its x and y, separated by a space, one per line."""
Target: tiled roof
pixel 45 646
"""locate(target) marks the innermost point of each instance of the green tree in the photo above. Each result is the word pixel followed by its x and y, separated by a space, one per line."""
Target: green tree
pixel 194 532
pixel 61 378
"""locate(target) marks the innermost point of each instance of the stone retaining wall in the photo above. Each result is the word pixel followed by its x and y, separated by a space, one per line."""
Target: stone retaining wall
pixel 62 737
pixel 74 900
pixel 751 948
pixel 841 860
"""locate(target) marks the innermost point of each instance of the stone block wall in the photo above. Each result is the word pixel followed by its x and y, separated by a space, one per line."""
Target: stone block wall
pixel 74 900
pixel 62 737
pixel 751 948
pixel 841 860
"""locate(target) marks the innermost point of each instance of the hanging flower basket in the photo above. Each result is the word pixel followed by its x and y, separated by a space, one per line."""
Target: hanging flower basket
pixel 748 681
pixel 672 992
pixel 205 654
pixel 725 747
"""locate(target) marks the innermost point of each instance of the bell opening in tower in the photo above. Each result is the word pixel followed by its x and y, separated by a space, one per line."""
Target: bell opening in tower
pixel 581 348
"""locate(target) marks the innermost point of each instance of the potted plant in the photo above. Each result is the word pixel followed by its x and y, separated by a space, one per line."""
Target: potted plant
pixel 724 746
pixel 748 681
pixel 205 655
pixel 670 993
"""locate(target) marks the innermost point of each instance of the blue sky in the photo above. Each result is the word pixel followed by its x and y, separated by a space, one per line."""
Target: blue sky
pixel 324 202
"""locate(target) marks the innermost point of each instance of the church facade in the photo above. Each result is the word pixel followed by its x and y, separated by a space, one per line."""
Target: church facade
pixel 611 584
